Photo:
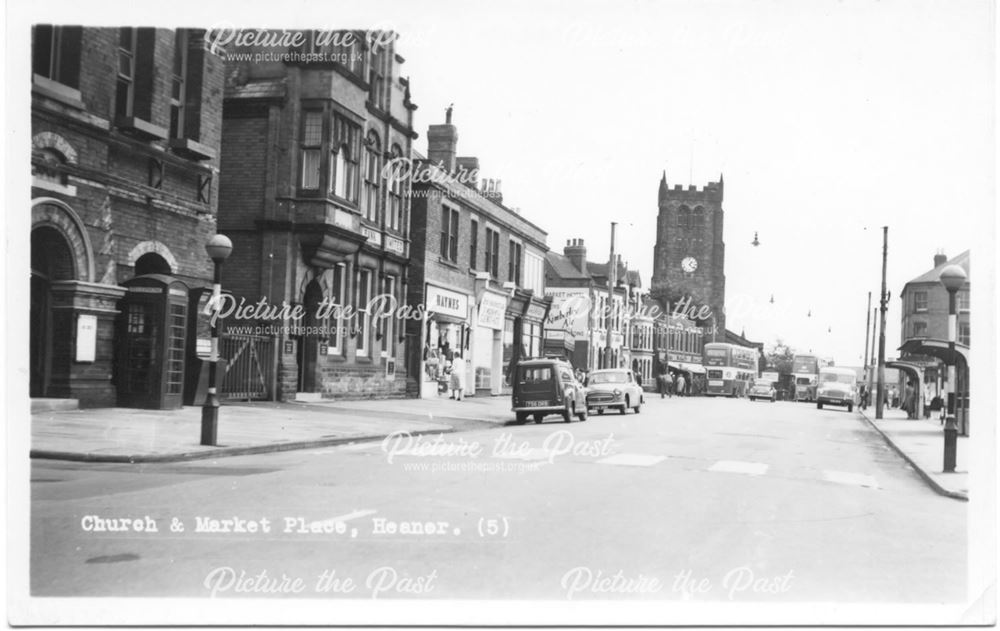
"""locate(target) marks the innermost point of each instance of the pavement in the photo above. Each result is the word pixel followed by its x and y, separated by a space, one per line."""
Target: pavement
pixel 134 435
pixel 921 443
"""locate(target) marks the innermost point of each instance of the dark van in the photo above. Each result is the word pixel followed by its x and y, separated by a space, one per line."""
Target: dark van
pixel 547 386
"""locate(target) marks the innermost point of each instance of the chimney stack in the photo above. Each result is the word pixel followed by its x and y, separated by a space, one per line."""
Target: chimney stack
pixel 576 252
pixel 442 141
pixel 468 171
pixel 940 259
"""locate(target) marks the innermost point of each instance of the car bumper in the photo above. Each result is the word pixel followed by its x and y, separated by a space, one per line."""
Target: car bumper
pixel 833 401
pixel 544 409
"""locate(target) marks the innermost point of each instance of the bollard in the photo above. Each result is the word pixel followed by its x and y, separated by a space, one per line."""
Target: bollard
pixel 950 444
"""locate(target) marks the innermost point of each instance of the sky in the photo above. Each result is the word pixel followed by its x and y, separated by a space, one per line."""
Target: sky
pixel 828 120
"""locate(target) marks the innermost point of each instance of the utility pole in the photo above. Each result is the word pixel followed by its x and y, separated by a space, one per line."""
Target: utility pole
pixel 871 356
pixel 883 305
pixel 612 272
pixel 868 322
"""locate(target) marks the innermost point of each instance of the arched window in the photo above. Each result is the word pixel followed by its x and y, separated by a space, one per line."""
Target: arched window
pixel 152 263
pixel 698 218
pixel 684 217
pixel 372 168
pixel 47 166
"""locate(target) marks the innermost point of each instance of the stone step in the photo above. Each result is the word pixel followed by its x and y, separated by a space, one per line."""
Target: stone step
pixel 54 405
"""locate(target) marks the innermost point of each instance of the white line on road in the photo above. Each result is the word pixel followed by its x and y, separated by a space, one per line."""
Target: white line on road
pixel 855 479
pixel 632 460
pixel 735 466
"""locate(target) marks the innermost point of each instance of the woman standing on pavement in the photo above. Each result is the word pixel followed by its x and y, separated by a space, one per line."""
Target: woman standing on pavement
pixel 457 377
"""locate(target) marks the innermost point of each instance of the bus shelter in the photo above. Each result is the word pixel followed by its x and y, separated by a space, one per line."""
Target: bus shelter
pixel 952 354
pixel 915 373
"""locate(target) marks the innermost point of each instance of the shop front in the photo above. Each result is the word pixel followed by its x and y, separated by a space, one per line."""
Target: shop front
pixel 447 331
pixel 524 326
pixel 487 345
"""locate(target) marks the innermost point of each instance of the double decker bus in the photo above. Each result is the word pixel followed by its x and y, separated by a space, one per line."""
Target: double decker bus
pixel 805 373
pixel 730 369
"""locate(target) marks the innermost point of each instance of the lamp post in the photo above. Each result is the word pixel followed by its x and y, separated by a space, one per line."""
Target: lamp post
pixel 952 277
pixel 219 247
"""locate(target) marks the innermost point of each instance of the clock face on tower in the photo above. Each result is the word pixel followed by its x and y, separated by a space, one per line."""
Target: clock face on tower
pixel 689 264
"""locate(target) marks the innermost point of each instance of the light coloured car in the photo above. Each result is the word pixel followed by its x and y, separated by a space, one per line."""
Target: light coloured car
pixel 837 386
pixel 762 390
pixel 614 388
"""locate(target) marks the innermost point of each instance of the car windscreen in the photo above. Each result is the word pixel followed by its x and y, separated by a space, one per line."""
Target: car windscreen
pixel 608 377
pixel 536 374
pixel 828 377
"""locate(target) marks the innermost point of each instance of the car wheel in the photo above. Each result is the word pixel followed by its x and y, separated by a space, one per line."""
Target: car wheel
pixel 819 406
pixel 567 414
pixel 522 417
pixel 850 407
pixel 583 415
pixel 637 408
pixel 624 408
pixel 600 411
pixel 539 417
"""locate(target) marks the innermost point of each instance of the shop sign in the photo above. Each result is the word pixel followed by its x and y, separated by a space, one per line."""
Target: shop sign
pixel 393 244
pixel 374 236
pixel 535 312
pixel 447 302
pixel 570 310
pixel 492 309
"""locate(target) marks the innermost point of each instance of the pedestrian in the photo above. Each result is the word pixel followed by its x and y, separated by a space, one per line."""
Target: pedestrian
pixel 661 384
pixel 681 385
pixel 457 377
pixel 671 384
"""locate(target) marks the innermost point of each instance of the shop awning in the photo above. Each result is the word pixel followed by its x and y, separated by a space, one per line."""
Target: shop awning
pixel 951 353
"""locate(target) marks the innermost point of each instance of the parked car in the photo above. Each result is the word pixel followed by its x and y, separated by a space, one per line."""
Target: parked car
pixel 762 390
pixel 547 386
pixel 837 386
pixel 613 388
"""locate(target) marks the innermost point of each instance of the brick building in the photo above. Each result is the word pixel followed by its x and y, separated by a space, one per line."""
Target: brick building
pixel 477 269
pixel 689 255
pixel 316 217
pixel 126 126
pixel 924 334
pixel 579 292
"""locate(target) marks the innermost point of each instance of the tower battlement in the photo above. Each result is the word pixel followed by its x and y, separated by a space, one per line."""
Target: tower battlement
pixel 712 191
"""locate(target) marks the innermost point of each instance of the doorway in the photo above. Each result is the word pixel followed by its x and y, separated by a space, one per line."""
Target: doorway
pixel 309 341
pixel 51 260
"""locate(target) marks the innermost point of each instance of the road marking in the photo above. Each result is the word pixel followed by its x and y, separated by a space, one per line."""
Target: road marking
pixel 632 460
pixel 735 466
pixel 335 520
pixel 854 479
pixel 533 453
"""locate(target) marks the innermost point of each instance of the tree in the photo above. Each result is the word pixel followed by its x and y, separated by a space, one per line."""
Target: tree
pixel 779 358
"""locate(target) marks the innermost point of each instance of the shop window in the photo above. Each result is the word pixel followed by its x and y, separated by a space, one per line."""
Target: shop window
pixel 335 321
pixel 449 234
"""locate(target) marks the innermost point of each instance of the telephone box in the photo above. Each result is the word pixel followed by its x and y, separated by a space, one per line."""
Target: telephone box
pixel 151 342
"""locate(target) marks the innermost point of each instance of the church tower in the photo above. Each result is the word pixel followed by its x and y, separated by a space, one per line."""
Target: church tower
pixel 689 255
